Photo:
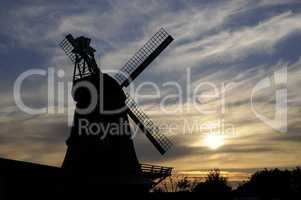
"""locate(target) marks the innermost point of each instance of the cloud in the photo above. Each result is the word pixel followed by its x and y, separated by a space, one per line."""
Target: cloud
pixel 252 136
pixel 229 46
pixel 39 139
pixel 277 2
pixel 210 38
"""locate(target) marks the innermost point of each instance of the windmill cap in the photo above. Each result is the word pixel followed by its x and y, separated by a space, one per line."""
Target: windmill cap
pixel 82 45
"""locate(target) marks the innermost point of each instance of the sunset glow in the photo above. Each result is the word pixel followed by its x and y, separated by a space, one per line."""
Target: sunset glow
pixel 214 141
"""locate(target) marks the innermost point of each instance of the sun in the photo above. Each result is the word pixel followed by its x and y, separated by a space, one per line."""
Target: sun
pixel 214 141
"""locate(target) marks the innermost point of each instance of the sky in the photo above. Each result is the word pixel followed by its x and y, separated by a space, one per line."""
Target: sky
pixel 235 44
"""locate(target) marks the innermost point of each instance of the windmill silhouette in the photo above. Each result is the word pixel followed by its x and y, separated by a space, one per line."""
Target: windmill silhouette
pixel 90 161
pixel 113 158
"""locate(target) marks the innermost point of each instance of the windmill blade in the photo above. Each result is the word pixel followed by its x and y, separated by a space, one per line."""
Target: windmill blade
pixel 67 45
pixel 152 132
pixel 143 57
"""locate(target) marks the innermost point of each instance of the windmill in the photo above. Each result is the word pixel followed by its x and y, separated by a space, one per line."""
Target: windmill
pixel 113 156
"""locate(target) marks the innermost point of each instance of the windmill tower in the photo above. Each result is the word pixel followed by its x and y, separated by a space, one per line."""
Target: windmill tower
pixel 113 158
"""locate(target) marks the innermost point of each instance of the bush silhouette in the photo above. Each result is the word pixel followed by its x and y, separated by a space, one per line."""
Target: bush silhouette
pixel 214 187
pixel 184 185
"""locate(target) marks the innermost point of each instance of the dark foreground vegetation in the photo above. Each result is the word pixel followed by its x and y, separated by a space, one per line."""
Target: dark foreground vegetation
pixel 40 182
pixel 265 184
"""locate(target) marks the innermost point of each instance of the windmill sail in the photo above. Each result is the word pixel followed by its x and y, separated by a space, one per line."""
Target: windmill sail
pixel 143 57
pixel 67 45
pixel 152 132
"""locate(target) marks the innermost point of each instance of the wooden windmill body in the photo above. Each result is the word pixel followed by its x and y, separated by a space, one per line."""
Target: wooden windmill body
pixel 113 158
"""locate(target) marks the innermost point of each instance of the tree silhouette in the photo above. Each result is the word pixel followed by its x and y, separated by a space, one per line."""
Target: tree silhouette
pixel 275 183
